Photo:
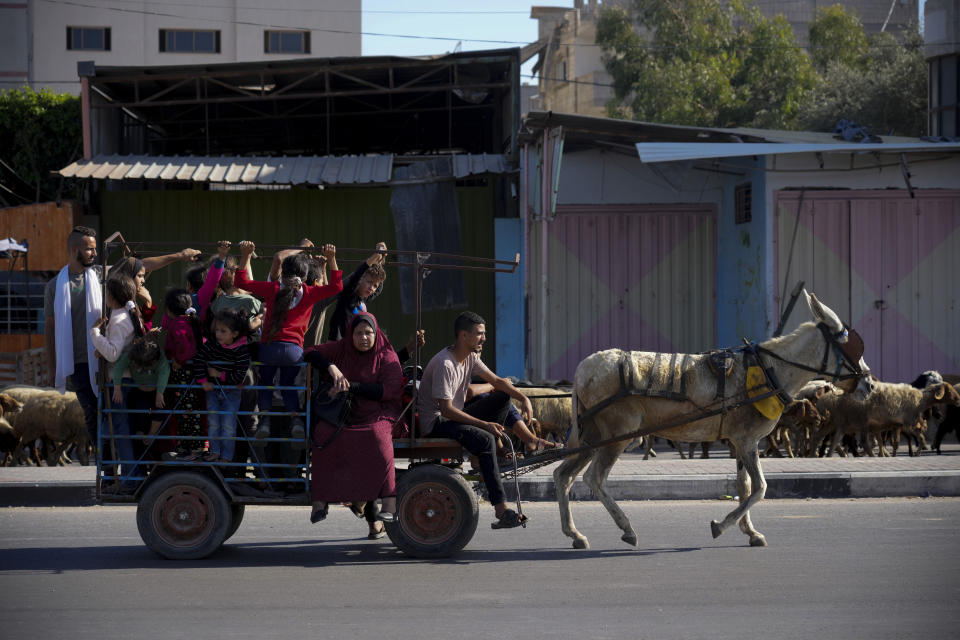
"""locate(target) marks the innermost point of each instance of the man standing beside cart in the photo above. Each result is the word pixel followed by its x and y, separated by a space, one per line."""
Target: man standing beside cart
pixel 440 403
pixel 72 304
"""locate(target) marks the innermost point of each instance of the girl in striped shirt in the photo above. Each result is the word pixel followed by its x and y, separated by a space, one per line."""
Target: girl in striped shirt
pixel 220 365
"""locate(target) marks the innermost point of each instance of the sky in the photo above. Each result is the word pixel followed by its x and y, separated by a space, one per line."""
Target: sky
pixel 491 24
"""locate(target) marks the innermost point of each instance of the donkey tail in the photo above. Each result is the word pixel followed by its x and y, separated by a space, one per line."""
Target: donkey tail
pixel 573 435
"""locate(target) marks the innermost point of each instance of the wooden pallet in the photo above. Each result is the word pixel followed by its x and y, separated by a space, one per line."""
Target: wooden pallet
pixel 24 367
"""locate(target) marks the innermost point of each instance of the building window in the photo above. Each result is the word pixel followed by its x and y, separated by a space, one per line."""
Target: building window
pixel 286 42
pixel 88 38
pixel 944 84
pixel 742 196
pixel 21 301
pixel 189 41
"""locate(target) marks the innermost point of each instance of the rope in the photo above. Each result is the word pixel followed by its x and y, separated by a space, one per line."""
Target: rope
pixel 516 482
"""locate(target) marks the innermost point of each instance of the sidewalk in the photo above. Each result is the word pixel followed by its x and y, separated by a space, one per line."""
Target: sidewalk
pixel 663 478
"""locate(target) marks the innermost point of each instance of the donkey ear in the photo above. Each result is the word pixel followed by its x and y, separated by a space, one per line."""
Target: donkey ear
pixel 815 307
pixel 823 313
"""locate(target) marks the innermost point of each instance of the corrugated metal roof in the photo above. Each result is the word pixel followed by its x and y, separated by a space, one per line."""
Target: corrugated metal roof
pixel 749 134
pixel 248 170
pixel 651 152
pixel 320 170
pixel 467 164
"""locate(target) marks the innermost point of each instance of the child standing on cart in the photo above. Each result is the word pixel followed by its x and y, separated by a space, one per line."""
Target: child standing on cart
pixel 360 287
pixel 147 367
pixel 111 338
pixel 289 304
pixel 182 341
pixel 220 365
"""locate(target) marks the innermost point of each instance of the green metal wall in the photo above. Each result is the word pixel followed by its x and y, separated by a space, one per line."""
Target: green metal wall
pixel 346 217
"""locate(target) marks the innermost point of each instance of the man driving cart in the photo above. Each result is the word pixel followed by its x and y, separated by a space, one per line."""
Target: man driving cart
pixel 441 399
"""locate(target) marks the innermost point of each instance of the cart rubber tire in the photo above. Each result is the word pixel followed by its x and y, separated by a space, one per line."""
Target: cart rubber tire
pixel 183 515
pixel 236 517
pixel 437 513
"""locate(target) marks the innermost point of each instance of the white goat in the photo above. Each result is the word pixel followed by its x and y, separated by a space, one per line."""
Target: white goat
pixel 887 406
pixel 47 413
pixel 551 406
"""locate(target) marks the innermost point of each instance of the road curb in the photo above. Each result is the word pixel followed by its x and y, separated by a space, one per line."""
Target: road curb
pixel 779 486
pixel 47 494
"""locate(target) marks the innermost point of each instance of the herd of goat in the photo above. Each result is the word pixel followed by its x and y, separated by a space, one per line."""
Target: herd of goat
pixel 40 426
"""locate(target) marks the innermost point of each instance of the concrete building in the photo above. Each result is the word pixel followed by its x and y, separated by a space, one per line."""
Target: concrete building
pixel 572 78
pixel 570 70
pixel 941 32
pixel 41 41
pixel 682 239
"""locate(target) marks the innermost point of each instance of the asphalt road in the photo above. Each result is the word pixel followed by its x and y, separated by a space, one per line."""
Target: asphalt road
pixel 834 569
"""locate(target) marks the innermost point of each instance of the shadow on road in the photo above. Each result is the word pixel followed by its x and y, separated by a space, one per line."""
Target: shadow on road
pixel 299 553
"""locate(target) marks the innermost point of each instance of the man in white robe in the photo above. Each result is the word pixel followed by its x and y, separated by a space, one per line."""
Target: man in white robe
pixel 73 301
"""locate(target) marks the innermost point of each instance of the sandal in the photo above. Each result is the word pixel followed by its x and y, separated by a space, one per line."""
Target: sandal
pixel 508 520
pixel 542 445
pixel 377 531
pixel 386 516
pixel 183 456
pixel 355 507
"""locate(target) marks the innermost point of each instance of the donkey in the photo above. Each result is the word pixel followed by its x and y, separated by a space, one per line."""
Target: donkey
pixel 613 412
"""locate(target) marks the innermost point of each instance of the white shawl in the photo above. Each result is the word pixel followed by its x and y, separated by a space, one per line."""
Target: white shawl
pixel 63 325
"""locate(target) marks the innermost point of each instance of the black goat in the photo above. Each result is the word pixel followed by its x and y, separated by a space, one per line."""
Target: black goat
pixel 949 424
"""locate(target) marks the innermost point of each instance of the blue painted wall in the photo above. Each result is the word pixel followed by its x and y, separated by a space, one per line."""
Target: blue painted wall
pixel 744 258
pixel 509 298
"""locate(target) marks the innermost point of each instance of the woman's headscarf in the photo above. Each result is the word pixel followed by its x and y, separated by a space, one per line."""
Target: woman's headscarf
pixel 129 266
pixel 376 365
pixel 361 366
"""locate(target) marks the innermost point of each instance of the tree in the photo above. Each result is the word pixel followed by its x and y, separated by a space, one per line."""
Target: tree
pixel 883 88
pixel 39 133
pixel 837 36
pixel 697 62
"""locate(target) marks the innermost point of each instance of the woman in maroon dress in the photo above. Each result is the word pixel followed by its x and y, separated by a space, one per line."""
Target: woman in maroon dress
pixel 357 464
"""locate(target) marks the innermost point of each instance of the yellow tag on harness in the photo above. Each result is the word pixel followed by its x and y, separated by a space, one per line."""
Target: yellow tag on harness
pixel 770 407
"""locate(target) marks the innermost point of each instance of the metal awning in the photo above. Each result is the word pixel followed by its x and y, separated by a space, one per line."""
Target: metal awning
pixel 651 152
pixel 283 170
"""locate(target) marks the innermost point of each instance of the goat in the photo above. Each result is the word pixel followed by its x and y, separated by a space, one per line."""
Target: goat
pixel 887 406
pixel 551 408
pixel 53 416
pixel 949 423
pixel 798 419
pixel 931 418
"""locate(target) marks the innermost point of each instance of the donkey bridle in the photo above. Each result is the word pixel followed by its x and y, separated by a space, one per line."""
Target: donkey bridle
pixel 845 359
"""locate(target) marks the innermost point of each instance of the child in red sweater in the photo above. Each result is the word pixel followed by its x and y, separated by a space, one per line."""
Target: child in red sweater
pixel 182 341
pixel 289 303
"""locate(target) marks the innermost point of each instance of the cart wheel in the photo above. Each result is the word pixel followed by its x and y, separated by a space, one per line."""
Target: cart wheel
pixel 437 513
pixel 183 515
pixel 236 517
